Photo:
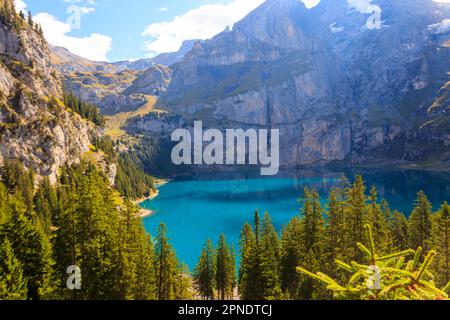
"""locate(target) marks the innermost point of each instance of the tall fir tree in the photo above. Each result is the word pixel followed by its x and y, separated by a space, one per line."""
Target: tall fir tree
pixel 399 228
pixel 420 223
pixel 5 210
pixel 441 243
pixel 19 181
pixel 312 240
pixel 248 277
pixel 13 284
pixel 334 242
pixel 270 260
pixel 166 266
pixel 45 204
pixel 144 287
pixel 32 249
pixel 377 220
pixel 224 279
pixel 356 199
pixel 291 249
pixel 204 273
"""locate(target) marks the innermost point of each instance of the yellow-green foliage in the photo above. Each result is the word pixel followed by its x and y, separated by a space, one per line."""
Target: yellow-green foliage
pixel 397 276
pixel 115 124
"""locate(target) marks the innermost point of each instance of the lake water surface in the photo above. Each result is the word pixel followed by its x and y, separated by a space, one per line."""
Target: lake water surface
pixel 204 206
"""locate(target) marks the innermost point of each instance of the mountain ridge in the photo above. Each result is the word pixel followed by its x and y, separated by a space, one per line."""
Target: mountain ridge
pixel 118 86
pixel 358 96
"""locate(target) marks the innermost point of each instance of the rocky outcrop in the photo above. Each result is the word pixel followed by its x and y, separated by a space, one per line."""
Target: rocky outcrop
pixel 154 81
pixel 105 90
pixel 35 127
pixel 336 89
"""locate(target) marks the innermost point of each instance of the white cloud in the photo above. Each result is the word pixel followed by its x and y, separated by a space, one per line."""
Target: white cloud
pixel 203 22
pixel 440 28
pixel 20 5
pixel 94 47
pixel 310 3
pixel 162 9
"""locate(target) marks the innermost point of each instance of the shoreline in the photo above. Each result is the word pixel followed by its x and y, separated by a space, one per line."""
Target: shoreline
pixel 143 213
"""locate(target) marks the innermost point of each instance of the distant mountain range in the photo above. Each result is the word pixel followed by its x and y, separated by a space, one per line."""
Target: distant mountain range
pixel 67 62
pixel 112 86
pixel 337 90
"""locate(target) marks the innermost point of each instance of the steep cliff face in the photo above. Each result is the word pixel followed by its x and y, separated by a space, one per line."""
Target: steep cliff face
pixel 154 81
pixel 336 89
pixel 35 127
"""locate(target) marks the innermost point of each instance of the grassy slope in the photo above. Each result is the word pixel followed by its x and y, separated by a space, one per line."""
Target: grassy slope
pixel 115 124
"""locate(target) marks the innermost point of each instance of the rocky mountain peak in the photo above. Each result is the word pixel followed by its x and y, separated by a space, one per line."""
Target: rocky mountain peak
pixel 336 86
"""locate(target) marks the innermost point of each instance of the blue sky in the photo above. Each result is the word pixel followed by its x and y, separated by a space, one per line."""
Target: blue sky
pixel 114 30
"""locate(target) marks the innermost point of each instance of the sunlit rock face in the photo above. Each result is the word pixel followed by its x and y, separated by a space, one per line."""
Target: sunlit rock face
pixel 35 127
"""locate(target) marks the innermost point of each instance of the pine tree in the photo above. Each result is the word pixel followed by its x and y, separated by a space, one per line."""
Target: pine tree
pixel 45 204
pixel 144 288
pixel 88 235
pixel 441 241
pixel 128 246
pixel 420 223
pixel 67 244
pixel 165 266
pixel 357 213
pixel 233 271
pixel 85 110
pixel 248 277
pixel 5 212
pixel 32 249
pixel 183 283
pixel 399 232
pixel 291 240
pixel 13 285
pixel 19 181
pixel 98 225
pixel 30 19
pixel 378 222
pixel 137 274
pixel 389 277
pixel 312 240
pixel 204 273
pixel 270 260
pixel 224 279
pixel 334 246
pixel 251 286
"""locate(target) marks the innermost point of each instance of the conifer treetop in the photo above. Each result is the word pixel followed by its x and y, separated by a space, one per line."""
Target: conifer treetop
pixel 389 277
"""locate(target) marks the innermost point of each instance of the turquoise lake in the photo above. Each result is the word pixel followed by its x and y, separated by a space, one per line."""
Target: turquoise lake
pixel 202 207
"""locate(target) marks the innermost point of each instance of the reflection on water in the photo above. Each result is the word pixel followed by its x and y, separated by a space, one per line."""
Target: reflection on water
pixel 203 206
